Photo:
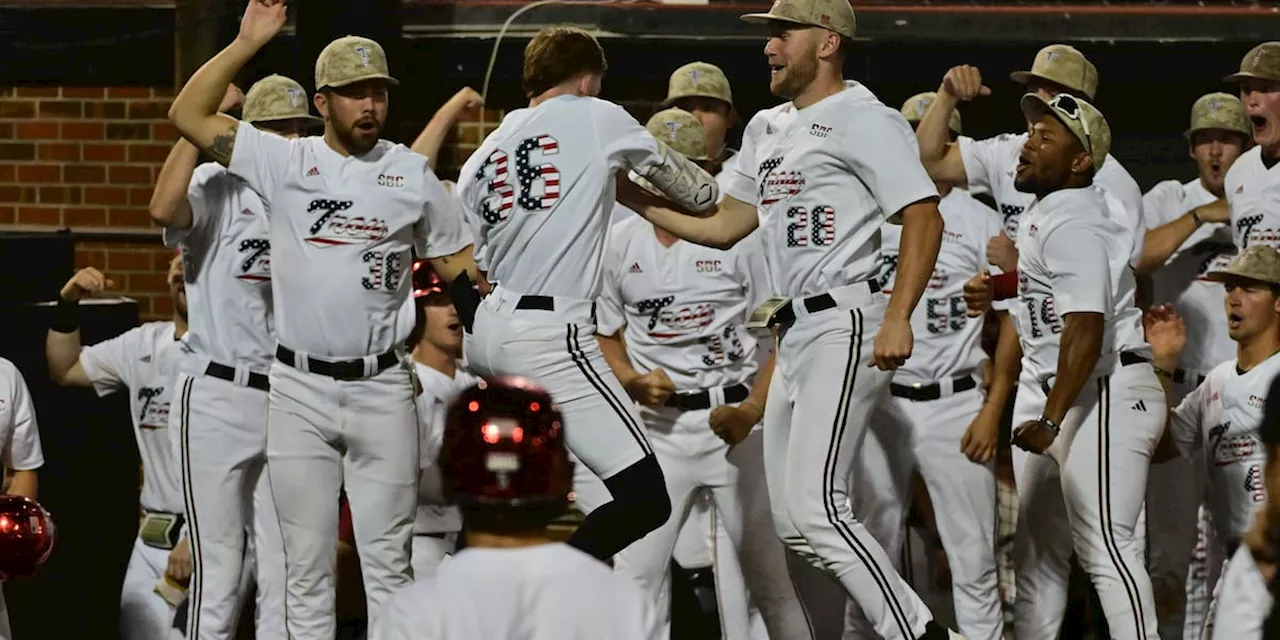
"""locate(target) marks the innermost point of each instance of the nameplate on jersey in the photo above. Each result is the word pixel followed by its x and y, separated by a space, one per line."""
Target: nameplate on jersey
pixel 762 318
pixel 160 530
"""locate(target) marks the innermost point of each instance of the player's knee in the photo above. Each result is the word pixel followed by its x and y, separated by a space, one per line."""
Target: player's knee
pixel 808 521
pixel 640 492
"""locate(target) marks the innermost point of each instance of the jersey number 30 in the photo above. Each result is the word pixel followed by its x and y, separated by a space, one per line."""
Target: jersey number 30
pixel 502 197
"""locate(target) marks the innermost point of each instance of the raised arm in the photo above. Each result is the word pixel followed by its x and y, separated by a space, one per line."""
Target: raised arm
pixel 169 206
pixel 941 157
pixel 730 221
pixel 62 344
pixel 432 137
pixel 680 179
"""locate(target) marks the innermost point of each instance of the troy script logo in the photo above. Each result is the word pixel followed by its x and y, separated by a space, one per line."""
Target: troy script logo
pixel 256 265
pixel 333 228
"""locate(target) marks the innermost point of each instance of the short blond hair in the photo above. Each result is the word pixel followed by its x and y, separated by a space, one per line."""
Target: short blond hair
pixel 557 54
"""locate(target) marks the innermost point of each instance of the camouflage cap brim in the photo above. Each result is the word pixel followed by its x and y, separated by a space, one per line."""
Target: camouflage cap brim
pixel 1220 276
pixel 314 120
pixel 766 18
pixel 350 81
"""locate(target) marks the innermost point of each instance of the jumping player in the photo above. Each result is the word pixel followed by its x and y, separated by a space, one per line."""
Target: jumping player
pixel 344 212
pixel 819 175
pixel 539 193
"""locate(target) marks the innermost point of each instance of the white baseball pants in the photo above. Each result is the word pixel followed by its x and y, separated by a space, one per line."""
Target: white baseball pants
pixel 1085 494
pixel 704 542
pixel 144 615
pixel 1207 561
pixel 222 431
pixel 326 434
pixel 908 435
pixel 820 403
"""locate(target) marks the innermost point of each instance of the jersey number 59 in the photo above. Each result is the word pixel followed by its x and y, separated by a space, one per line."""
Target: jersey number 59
pixel 502 195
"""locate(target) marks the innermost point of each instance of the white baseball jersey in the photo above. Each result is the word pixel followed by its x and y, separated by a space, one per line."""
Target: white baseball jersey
pixel 1221 418
pixel 947 343
pixel 540 190
pixel 341 232
pixel 1253 193
pixel 226 264
pixel 1244 601
pixel 143 361
pixel 1073 256
pixel 438 392
pixel 990 165
pixel 823 180
pixel 545 592
pixel 1181 280
pixel 19 433
pixel 685 306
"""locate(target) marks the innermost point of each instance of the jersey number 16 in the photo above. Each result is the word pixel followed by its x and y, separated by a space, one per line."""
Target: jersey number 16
pixel 497 206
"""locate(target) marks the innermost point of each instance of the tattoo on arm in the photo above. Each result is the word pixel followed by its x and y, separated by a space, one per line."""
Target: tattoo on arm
pixel 222 146
pixel 683 181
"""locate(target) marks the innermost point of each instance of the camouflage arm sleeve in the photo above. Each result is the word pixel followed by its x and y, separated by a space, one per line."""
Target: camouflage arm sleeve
pixel 684 182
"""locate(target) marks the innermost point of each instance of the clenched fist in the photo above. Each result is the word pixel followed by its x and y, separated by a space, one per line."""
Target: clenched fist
pixel 964 83
pixel 977 294
pixel 651 389
pixel 86 283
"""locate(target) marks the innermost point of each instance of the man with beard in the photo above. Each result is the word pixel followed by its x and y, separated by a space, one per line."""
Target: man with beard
pixel 345 211
pixel 819 175
pixel 1253 183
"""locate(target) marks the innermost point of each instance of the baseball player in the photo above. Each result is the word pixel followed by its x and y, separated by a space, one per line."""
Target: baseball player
pixel 936 395
pixel 20 435
pixel 436 345
pixel 1251 189
pixel 1076 322
pixel 819 175
pixel 671 324
pixel 344 213
pixel 1220 419
pixel 702 89
pixel 539 193
pixel 504 462
pixel 142 362
pixel 221 227
pixel 1181 248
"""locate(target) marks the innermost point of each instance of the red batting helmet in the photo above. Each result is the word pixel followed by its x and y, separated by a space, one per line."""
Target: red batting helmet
pixel 27 536
pixel 504 446
pixel 426 281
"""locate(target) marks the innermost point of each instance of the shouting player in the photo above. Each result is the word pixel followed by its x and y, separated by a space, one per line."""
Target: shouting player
pixel 142 361
pixel 345 211
pixel 819 175
pixel 1251 185
pixel 540 191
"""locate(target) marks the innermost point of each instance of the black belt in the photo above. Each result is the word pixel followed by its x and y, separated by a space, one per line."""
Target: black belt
pixel 223 372
pixel 337 369
pixel 814 304
pixel 1126 358
pixel 933 391
pixel 539 303
pixel 695 400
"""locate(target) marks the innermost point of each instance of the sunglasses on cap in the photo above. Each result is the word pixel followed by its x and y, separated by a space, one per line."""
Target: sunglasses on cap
pixel 1067 105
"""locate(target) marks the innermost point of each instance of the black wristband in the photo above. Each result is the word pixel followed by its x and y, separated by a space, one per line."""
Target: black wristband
pixel 1196 216
pixel 66 316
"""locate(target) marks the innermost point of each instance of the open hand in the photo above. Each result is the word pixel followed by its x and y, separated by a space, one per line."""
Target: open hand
pixel 262 20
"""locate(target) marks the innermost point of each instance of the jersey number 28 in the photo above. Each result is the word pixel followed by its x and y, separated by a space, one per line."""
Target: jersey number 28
pixel 503 196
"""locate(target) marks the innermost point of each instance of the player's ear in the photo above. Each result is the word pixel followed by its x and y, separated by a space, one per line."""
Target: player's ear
pixel 1082 163
pixel 321 100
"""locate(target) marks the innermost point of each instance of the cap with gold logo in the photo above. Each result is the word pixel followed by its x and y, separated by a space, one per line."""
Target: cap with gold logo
pixel 1262 62
pixel 1062 64
pixel 1219 111
pixel 698 80
pixel 276 97
pixel 351 59
pixel 915 107
pixel 1081 118
pixel 835 15
pixel 681 131
pixel 1259 262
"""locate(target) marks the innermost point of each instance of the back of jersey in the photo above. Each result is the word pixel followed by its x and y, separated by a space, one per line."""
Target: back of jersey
pixel 539 193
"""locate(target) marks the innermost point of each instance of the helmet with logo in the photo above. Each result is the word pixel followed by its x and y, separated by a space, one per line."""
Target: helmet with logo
pixel 504 454
pixel 27 536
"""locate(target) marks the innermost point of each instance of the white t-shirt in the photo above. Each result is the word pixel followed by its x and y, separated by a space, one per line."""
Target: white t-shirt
pixel 948 343
pixel 684 307
pixel 144 361
pixel 1073 256
pixel 823 180
pixel 341 233
pixel 1220 418
pixel 226 264
pixel 1253 194
pixel 19 433
pixel 546 592
pixel 438 392
pixel 1181 280
pixel 1244 601
pixel 540 190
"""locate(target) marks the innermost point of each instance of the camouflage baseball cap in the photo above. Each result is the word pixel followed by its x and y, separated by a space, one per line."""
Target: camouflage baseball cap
pixel 276 97
pixel 698 80
pixel 1080 117
pixel 1219 111
pixel 351 59
pixel 834 15
pixel 915 106
pixel 1262 61
pixel 681 131
pixel 1065 65
pixel 1259 262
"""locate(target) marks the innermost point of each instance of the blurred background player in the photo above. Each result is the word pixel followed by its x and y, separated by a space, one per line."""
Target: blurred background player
pixel 936 395
pixel 505 464
pixel 143 362
pixel 539 193
pixel 671 324
pixel 436 346
pixel 20 435
pixel 1251 185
